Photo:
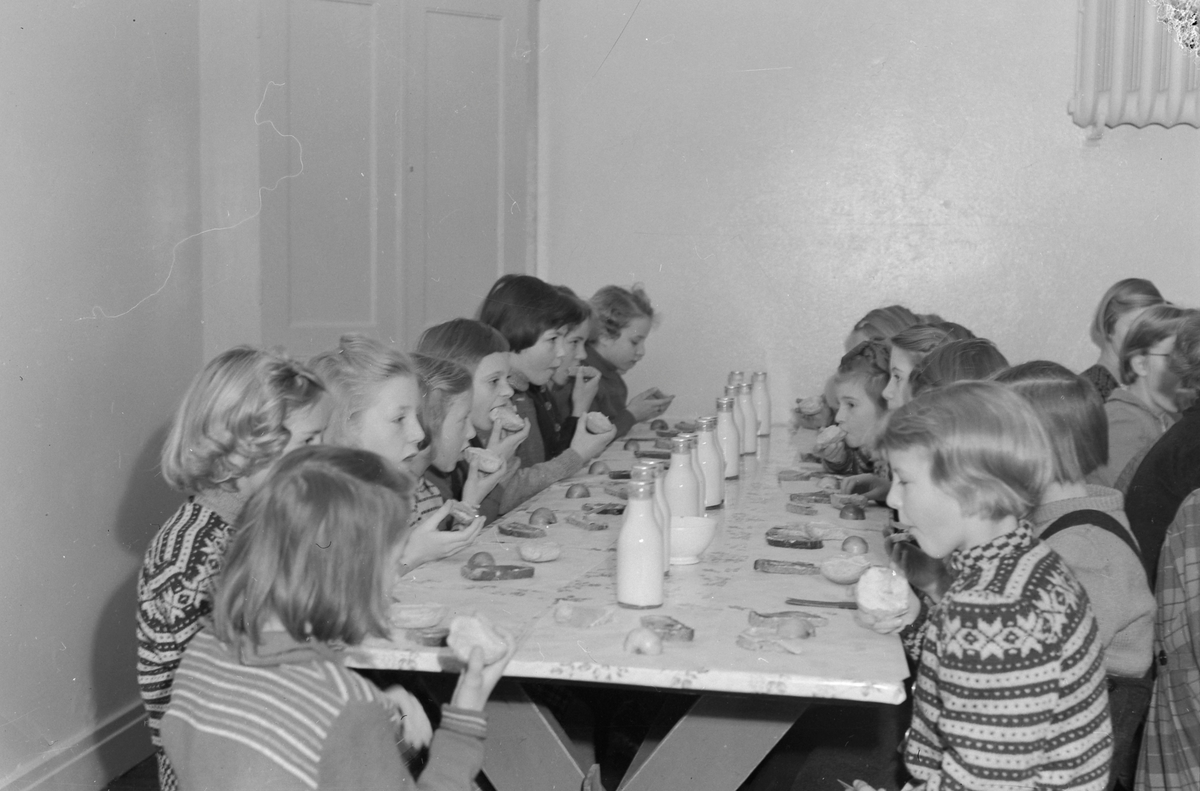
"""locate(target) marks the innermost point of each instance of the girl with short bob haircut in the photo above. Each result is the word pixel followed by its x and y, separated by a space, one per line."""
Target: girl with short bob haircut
pixel 1119 306
pixel 623 318
pixel 377 400
pixel 969 462
pixel 309 576
pixel 534 317
pixel 975 359
pixel 1086 525
pixel 907 349
pixel 239 416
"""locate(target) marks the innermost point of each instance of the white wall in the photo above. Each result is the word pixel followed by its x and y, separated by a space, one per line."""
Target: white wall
pixel 99 166
pixel 772 169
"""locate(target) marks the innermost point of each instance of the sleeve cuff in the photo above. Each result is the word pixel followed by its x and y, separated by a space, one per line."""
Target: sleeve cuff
pixel 464 721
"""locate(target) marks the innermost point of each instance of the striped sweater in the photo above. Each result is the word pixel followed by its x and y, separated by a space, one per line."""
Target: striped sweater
pixel 290 716
pixel 1010 692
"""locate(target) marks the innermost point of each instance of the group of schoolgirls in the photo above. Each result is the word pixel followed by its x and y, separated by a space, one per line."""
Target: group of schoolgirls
pixel 1030 504
pixel 313 488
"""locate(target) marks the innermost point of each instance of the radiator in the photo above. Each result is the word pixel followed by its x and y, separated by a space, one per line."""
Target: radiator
pixel 1134 67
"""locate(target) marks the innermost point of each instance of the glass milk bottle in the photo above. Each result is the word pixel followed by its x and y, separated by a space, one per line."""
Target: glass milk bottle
pixel 712 465
pixel 736 378
pixel 701 487
pixel 729 442
pixel 683 491
pixel 739 417
pixel 750 435
pixel 640 551
pixel 649 471
pixel 762 403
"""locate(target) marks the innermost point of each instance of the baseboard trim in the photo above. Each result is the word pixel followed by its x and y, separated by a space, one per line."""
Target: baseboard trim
pixel 90 761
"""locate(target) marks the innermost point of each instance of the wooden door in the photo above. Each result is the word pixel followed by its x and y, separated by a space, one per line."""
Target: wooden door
pixel 470 152
pixel 390 145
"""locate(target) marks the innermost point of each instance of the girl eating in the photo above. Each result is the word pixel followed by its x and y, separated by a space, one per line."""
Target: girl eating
pixel 263 698
pixel 623 320
pixel 376 406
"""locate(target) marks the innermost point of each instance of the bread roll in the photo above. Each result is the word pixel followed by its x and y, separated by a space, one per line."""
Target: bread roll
pixel 489 462
pixel 471 631
pixel 882 592
pixel 598 423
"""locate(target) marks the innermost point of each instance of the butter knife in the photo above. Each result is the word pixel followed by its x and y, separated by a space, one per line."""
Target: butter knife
pixel 840 605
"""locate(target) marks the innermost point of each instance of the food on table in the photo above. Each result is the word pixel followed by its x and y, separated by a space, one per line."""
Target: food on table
pixel 487 460
pixel 508 418
pixel 811 498
pixel 521 531
pixel 620 475
pixel 582 616
pixel 606 509
pixel 542 517
pixel 844 569
pixel 468 632
pixel 669 629
pixel 793 537
pixel 598 423
pixel 663 443
pixel 587 524
pixel 774 618
pixel 481 559
pixel 800 510
pixel 631 444
pixel 837 500
pixel 653 453
pixel 852 511
pixel 416 616
pixel 598 468
pixel 791 475
pixel 855 545
pixel 786 638
pixel 540 551
pixel 882 593
pixel 687 426
pixel 433 636
pixel 667 433
pixel 577 490
pixel 643 641
pixel 496 573
pixel 768 566
pixel 659 425
pixel 619 492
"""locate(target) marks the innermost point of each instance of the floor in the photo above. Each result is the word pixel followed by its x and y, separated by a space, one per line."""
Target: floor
pixel 830 743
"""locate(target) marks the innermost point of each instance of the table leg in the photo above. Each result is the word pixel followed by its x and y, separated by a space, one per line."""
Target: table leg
pixel 715 746
pixel 527 748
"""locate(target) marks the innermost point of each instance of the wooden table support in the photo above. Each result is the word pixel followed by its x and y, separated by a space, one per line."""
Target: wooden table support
pixel 526 747
pixel 740 730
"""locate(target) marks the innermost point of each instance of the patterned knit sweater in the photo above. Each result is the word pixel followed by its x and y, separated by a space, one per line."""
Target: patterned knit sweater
pixel 1010 692
pixel 289 715
pixel 174 590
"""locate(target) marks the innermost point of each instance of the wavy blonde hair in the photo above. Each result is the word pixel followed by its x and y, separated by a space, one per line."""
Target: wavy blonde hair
pixel 230 423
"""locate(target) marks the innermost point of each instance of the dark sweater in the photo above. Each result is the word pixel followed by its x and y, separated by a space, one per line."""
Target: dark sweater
pixel 1167 475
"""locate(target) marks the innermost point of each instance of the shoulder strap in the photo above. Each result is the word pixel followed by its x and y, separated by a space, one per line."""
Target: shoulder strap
pixel 1097 519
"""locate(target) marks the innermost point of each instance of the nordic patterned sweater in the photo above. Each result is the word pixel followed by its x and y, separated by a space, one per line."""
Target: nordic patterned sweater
pixel 174 590
pixel 1010 692
pixel 288 716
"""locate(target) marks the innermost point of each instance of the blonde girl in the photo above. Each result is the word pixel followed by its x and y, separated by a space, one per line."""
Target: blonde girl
pixel 244 411
pixel 623 320
pixel 264 699
pixel 881 324
pixel 1121 304
pixel 377 396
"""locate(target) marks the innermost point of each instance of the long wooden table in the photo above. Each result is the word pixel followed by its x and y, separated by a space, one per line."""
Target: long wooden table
pixel 747 700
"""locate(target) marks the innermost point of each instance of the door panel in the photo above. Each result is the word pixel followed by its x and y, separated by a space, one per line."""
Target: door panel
pixel 470 90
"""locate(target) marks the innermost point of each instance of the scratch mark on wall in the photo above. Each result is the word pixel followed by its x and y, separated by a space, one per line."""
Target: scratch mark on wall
pixel 99 312
pixel 618 39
